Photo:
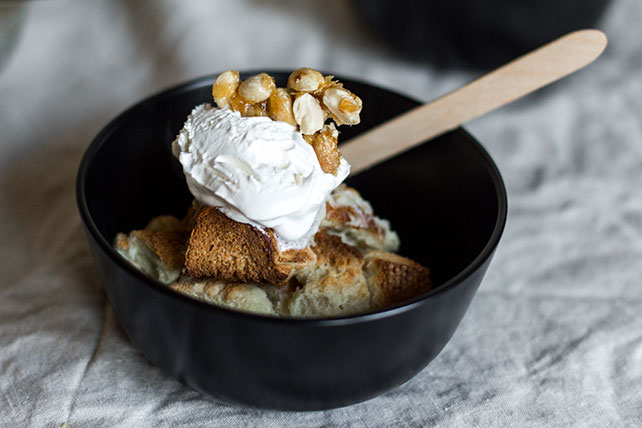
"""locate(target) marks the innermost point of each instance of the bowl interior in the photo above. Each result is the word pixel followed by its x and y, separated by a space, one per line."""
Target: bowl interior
pixel 445 198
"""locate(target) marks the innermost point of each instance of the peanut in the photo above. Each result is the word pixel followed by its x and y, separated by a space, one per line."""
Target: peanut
pixel 308 114
pixel 305 80
pixel 257 88
pixel 324 144
pixel 224 87
pixel 279 106
pixel 343 105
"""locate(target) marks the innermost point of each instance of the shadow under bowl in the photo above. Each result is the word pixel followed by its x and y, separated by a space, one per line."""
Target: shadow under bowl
pixel 446 199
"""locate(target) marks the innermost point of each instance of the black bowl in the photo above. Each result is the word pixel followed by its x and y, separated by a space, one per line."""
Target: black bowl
pixel 472 33
pixel 446 199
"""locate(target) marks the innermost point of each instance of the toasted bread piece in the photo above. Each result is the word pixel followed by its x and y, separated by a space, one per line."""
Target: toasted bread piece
pixel 245 297
pixel 168 245
pixel 334 285
pixel 393 278
pixel 226 250
pixel 158 249
pixel 351 217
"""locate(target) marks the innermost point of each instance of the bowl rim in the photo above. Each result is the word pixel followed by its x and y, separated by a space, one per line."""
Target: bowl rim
pixel 103 135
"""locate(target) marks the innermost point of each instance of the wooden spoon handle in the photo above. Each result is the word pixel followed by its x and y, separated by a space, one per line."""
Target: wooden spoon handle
pixel 519 77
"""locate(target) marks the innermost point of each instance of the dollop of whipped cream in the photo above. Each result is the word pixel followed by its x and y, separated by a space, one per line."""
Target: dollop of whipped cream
pixel 256 171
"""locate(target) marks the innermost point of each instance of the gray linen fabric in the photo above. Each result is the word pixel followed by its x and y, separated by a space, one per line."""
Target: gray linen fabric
pixel 552 339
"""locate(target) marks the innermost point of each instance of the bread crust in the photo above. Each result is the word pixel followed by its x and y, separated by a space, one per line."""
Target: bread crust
pixel 165 236
pixel 223 249
pixel 393 278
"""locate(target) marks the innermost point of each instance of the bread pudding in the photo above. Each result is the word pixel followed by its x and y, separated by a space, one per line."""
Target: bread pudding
pixel 271 229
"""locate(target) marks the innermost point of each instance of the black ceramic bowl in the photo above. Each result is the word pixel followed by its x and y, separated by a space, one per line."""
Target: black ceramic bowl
pixel 446 200
pixel 479 34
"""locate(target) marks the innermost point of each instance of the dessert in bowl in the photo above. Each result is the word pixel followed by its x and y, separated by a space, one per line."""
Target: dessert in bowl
pixel 271 228
pixel 445 199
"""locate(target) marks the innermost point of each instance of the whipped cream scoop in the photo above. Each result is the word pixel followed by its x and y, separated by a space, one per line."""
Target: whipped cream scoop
pixel 256 171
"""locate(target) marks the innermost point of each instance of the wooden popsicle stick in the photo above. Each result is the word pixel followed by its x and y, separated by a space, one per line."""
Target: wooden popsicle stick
pixel 519 77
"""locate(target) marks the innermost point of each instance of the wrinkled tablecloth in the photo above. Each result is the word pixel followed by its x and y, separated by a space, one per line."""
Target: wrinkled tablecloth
pixel 552 339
